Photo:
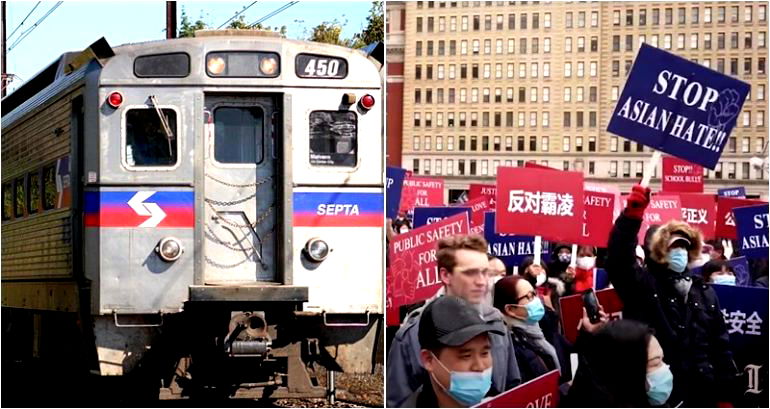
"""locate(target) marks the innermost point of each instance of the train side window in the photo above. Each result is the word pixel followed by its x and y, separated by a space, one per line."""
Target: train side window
pixel 239 135
pixel 162 65
pixel 50 194
pixel 333 138
pixel 20 199
pixel 33 190
pixel 147 143
pixel 7 201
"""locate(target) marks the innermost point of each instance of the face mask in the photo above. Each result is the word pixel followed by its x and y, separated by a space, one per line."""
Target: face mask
pixel 565 257
pixel 540 280
pixel 661 383
pixel 586 263
pixel 404 229
pixel 535 311
pixel 468 388
pixel 724 279
pixel 677 259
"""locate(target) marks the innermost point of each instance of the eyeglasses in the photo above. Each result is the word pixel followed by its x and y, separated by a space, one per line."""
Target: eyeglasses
pixel 529 296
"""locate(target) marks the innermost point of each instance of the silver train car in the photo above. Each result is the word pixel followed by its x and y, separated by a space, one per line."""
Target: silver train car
pixel 198 215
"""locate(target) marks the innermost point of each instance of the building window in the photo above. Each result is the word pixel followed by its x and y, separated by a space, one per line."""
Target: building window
pixel 416 165
pixel 591 144
pixel 565 144
pixel 546 94
pixel 629 17
pixel 509 144
pixel 681 15
pixel 669 16
pixel 568 20
pixel 626 168
pixel 594 19
pixel 694 41
pixel 707 15
pixel 760 118
pixel 547 20
pixel 426 166
pixel 639 168
pixel 694 17
pixel 417 119
pixel 578 144
pixel 760 144
pixel 520 143
pixel 533 143
pixel 614 168
pixel 546 119
pixel 614 93
pixel 567 94
pixel 613 144
pixel 732 144
pixel 567 69
pixel 427 143
pixel 707 41
pixel 616 18
pixel 567 121
pixel 544 144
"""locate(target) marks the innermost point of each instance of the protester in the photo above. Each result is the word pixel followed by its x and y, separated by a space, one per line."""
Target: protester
pixel 585 270
pixel 716 250
pixel 463 266
pixel 455 351
pixel 550 288
pixel 683 310
pixel 496 266
pixel 718 272
pixel 402 223
pixel 559 267
pixel 522 311
pixel 621 364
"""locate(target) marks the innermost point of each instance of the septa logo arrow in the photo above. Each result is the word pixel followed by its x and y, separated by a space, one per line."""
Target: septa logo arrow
pixel 147 209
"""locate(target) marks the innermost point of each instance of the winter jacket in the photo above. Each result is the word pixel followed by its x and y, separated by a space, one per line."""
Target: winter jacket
pixel 405 372
pixel 532 361
pixel 692 333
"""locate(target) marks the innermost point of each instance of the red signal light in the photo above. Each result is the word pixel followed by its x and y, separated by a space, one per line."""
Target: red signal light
pixel 366 102
pixel 115 99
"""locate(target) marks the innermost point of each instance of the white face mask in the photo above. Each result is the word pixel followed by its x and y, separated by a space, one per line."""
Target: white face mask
pixel 586 263
pixel 540 280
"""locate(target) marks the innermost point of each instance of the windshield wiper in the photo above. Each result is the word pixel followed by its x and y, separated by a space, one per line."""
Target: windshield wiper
pixel 163 123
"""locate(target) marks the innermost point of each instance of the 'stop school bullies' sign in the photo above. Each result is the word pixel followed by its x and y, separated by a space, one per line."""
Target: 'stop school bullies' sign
pixel 679 107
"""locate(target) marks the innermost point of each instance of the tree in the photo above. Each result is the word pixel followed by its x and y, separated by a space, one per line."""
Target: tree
pixel 241 24
pixel 374 30
pixel 329 32
pixel 187 29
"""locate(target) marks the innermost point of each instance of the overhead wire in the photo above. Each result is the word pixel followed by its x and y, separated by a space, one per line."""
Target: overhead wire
pixel 237 14
pixel 22 21
pixel 274 13
pixel 29 31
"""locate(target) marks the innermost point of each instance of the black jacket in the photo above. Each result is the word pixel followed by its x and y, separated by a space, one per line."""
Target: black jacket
pixel 693 334
pixel 532 360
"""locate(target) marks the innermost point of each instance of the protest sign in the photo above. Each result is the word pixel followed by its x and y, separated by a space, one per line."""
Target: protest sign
pixel 541 392
pixel 677 106
pixel 745 310
pixel 541 202
pixel 699 210
pixel 477 190
pixel 735 192
pixel 413 272
pixel 661 209
pixel 740 267
pixel 429 215
pixel 572 310
pixel 479 206
pixel 598 219
pixel 509 248
pixel 535 165
pixel 725 223
pixel 752 225
pixel 394 183
pixel 681 176
pixel 419 191
pixel 593 187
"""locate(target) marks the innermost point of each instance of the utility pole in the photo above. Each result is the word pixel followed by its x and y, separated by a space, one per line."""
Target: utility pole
pixel 170 19
pixel 4 76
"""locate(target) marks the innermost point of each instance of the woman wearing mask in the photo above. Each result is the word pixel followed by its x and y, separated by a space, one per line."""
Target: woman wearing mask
pixel 522 311
pixel 585 270
pixel 718 272
pixel 621 364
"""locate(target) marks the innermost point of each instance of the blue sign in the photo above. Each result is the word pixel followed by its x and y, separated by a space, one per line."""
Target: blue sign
pixel 677 106
pixel 512 249
pixel 752 225
pixel 394 183
pixel 429 215
pixel 736 192
pixel 740 266
pixel 745 312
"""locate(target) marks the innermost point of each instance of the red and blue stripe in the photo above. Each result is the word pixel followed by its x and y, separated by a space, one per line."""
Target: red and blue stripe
pixel 111 209
pixel 347 209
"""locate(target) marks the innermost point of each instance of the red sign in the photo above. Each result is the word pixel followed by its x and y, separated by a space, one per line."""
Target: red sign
pixel 598 218
pixel 476 190
pixel 661 209
pixel 725 224
pixel 541 392
pixel 413 273
pixel 572 310
pixel 699 210
pixel 478 207
pixel 535 165
pixel 681 176
pixel 534 202
pixel 421 192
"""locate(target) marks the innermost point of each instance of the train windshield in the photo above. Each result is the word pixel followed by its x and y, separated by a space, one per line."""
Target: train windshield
pixel 147 143
pixel 238 135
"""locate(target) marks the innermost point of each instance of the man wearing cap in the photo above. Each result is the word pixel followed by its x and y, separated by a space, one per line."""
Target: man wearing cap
pixel 463 269
pixel 455 352
pixel 683 310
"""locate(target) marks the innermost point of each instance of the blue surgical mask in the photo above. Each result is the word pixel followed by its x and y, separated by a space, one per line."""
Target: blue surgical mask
pixel 724 279
pixel 661 382
pixel 677 259
pixel 535 311
pixel 468 388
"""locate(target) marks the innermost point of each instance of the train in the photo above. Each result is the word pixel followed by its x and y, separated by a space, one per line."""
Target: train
pixel 198 216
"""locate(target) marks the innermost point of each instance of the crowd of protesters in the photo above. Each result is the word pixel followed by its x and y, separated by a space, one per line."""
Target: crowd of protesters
pixel 492 327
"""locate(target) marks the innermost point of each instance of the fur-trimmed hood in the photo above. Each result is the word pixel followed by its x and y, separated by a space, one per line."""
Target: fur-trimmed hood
pixel 659 242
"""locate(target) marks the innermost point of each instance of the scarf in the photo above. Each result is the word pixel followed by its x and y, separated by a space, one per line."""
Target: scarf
pixel 535 334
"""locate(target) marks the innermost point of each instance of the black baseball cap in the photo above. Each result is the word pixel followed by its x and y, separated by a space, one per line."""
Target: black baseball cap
pixel 452 321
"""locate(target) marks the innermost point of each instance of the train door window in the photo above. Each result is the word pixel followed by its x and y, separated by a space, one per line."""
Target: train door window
pixel 7 201
pixel 20 198
pixel 50 194
pixel 333 138
pixel 33 197
pixel 151 142
pixel 239 135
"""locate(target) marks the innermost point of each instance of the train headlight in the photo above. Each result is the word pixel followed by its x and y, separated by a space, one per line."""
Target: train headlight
pixel 317 249
pixel 268 65
pixel 169 249
pixel 216 65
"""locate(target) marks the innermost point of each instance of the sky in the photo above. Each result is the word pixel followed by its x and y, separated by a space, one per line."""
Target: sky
pixel 74 25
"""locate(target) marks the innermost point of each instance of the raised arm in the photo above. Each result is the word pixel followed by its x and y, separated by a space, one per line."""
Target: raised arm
pixel 621 250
